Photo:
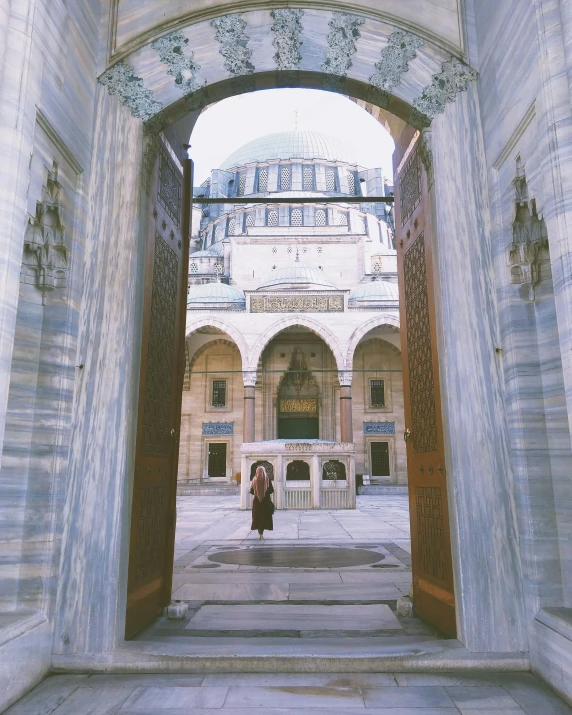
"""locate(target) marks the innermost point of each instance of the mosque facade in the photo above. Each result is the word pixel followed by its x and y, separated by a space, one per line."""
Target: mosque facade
pixel 300 284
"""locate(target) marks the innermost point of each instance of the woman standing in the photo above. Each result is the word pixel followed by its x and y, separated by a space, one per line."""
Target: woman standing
pixel 262 506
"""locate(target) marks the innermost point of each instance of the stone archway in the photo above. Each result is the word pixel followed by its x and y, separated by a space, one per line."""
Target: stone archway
pixel 363 330
pixel 426 91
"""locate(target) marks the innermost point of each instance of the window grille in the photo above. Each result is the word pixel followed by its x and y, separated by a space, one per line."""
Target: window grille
pixel 273 218
pixel 342 219
pixel 231 226
pixel 296 218
pixel 377 391
pixel 274 250
pixel 351 183
pixel 241 184
pixel 285 177
pixel 380 459
pixel 308 178
pixel 330 179
pixel 219 393
pixel 319 249
pixel 262 180
pixel 289 249
pixel 250 219
pixel 320 217
pixel 194 268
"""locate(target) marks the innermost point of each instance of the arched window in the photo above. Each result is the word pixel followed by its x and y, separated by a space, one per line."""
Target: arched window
pixel 308 178
pixel 269 469
pixel 194 268
pixel 231 226
pixel 242 184
pixel 285 177
pixel 263 180
pixel 342 218
pixel 250 219
pixel 296 218
pixel 320 217
pixel 351 183
pixel 298 470
pixel 334 470
pixel 330 179
pixel 272 217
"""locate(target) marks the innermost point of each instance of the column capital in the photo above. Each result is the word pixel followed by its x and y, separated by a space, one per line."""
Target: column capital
pixel 345 378
pixel 249 378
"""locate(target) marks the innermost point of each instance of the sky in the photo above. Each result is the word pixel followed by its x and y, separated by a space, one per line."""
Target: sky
pixel 228 125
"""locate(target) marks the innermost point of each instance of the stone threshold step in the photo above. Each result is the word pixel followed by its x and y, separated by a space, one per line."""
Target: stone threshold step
pixel 330 655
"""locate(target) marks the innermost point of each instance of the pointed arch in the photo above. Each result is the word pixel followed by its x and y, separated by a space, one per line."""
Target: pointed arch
pixel 230 330
pixel 364 329
pixel 287 322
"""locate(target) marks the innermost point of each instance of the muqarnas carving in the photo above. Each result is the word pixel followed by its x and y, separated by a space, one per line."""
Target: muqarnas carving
pixel 528 253
pixel 45 259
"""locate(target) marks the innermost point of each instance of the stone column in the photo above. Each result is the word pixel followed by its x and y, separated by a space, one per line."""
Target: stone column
pixel 316 481
pixel 248 429
pixel 279 482
pixel 244 482
pixel 346 423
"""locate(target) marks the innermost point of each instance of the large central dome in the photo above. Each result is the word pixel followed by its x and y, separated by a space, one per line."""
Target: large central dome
pixel 292 145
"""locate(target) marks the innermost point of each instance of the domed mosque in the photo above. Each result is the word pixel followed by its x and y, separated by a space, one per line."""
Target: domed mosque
pixel 293 346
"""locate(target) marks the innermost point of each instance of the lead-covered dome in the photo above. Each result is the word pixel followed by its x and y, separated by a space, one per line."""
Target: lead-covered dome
pixel 298 276
pixel 292 145
pixel 375 294
pixel 215 295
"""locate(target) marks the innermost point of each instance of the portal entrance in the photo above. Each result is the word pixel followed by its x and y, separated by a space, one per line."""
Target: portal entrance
pixel 298 397
pixel 217 460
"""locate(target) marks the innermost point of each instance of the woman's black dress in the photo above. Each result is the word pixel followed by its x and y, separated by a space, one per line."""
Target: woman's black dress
pixel 262 511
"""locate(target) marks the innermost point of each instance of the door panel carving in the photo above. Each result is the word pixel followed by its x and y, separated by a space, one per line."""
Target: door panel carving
pixel 160 389
pixel 433 587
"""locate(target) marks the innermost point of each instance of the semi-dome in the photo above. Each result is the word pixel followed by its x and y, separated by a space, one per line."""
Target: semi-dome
pixel 215 295
pixel 300 276
pixel 374 294
pixel 292 145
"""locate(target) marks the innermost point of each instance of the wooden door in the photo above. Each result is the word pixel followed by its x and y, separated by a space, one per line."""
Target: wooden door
pixel 433 587
pixel 153 512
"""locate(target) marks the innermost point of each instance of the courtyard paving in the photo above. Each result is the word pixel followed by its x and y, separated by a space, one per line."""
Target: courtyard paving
pixel 327 597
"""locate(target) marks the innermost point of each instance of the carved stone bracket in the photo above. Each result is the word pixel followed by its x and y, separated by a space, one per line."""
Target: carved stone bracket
pixel 454 78
pixel 287 28
pixel 345 378
pixel 342 38
pixel 395 58
pixel 249 378
pixel 528 251
pixel 45 259
pixel 175 52
pixel 426 155
pixel 233 40
pixel 121 81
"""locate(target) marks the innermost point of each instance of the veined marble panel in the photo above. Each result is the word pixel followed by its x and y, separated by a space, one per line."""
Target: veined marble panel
pixel 130 22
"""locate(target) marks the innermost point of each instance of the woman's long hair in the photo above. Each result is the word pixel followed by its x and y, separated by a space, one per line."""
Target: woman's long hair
pixel 260 483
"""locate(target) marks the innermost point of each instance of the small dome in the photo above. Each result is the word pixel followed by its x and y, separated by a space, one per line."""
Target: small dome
pixel 298 276
pixel 374 294
pixel 291 145
pixel 215 295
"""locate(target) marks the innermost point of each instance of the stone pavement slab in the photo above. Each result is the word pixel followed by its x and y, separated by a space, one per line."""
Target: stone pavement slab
pixel 265 617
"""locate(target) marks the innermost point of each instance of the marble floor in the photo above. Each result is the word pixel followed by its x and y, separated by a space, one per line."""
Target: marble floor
pixel 317 574
pixel 281 694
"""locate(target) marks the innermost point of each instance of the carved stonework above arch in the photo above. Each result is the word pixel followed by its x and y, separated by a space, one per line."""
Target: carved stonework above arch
pixel 359 333
pixel 212 322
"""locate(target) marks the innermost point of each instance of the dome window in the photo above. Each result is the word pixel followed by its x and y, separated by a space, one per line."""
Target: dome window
pixel 308 180
pixel 273 218
pixel 342 218
pixel 351 183
pixel 296 218
pixel 231 227
pixel 242 184
pixel 285 178
pixel 250 219
pixel 194 269
pixel 263 180
pixel 330 179
pixel 320 217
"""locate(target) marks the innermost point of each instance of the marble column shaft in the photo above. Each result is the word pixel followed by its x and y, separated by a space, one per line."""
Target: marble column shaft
pixel 346 424
pixel 249 414
pixel 93 568
pixel 484 534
